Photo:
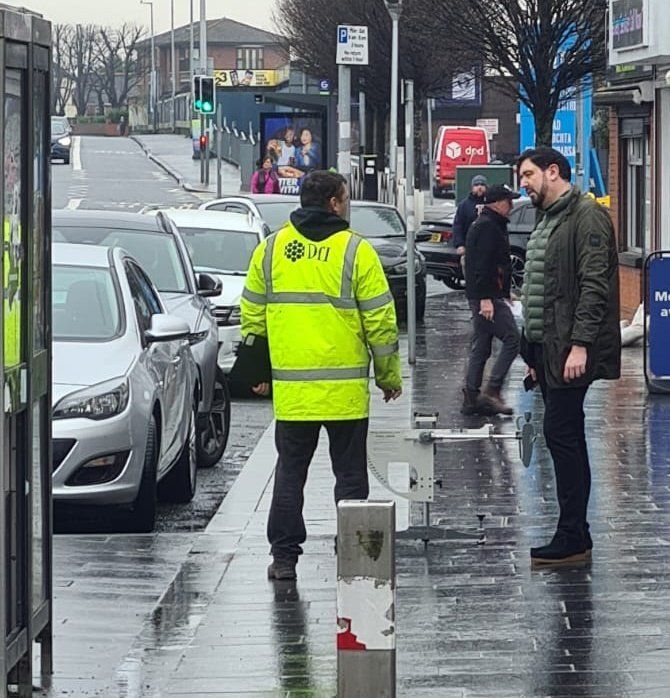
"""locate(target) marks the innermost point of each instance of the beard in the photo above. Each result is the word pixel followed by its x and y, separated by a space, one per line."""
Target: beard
pixel 538 198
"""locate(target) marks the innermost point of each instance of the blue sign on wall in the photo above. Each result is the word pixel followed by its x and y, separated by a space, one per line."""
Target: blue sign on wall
pixel 659 317
pixel 564 137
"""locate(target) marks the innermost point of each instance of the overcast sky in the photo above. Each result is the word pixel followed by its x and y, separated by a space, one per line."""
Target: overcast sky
pixel 114 12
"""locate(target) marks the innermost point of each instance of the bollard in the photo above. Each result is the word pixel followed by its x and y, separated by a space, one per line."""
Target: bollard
pixel 366 599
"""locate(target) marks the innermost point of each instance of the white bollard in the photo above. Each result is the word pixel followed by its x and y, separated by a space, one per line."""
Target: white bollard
pixel 366 665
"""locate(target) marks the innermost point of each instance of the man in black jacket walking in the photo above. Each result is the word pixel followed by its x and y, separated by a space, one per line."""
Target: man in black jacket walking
pixel 467 212
pixel 487 286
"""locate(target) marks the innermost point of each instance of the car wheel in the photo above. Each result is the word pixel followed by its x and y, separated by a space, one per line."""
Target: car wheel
pixel 180 483
pixel 213 437
pixel 143 516
pixel 454 283
pixel 518 260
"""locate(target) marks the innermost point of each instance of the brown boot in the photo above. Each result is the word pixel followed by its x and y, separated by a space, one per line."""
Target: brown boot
pixel 495 398
pixel 470 402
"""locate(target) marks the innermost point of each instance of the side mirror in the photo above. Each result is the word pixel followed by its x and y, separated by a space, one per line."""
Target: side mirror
pixel 208 286
pixel 167 328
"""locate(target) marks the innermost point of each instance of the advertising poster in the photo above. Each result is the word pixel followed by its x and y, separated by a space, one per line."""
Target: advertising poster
pixel 296 143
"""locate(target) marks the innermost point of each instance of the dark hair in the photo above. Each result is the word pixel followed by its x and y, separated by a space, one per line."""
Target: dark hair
pixel 544 157
pixel 319 187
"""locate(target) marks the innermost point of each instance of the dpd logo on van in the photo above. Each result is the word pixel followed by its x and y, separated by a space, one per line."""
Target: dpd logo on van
pixel 454 150
pixel 296 250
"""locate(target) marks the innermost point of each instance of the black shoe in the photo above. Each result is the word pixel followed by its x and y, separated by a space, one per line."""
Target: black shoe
pixel 588 542
pixel 470 402
pixel 561 550
pixel 282 569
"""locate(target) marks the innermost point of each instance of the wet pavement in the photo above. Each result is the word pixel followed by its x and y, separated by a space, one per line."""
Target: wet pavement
pixel 471 620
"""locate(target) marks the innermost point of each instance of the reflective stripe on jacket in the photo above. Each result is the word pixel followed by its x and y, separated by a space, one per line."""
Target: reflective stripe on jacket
pixel 325 307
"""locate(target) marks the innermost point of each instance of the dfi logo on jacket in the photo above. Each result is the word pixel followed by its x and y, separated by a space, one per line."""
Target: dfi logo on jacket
pixel 296 250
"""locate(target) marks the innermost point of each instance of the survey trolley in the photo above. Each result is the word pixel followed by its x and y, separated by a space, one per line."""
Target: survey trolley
pixel 657 322
pixel 404 463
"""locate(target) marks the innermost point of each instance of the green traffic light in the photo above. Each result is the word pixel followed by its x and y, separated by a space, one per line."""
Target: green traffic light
pixel 207 106
pixel 198 104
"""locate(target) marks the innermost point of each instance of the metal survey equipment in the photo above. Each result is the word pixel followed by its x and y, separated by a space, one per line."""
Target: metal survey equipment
pixel 404 463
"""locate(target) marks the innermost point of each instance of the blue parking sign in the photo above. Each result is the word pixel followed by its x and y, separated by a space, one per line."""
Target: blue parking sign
pixel 659 317
pixel 344 35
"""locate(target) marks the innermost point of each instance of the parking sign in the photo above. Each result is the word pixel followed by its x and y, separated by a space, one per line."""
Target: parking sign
pixel 352 45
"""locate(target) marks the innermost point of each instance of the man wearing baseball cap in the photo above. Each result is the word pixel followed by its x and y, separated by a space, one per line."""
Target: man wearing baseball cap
pixel 488 275
pixel 467 211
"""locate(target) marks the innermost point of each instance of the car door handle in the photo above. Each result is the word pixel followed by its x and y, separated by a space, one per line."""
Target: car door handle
pixel 176 360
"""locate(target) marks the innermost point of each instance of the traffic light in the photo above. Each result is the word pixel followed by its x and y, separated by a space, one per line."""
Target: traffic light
pixel 207 95
pixel 197 100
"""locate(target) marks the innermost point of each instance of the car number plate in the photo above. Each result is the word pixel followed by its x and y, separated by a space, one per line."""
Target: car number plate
pixel 436 237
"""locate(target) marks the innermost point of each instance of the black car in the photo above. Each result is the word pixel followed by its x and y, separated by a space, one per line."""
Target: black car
pixel 435 242
pixel 380 224
pixel 61 140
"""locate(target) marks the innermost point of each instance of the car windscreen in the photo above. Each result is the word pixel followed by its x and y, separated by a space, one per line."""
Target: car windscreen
pixel 220 250
pixel 58 128
pixel 157 252
pixel 85 305
pixel 276 213
pixel 372 222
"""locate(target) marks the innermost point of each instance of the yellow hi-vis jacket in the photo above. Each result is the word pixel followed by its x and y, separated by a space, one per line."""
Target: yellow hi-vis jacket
pixel 324 307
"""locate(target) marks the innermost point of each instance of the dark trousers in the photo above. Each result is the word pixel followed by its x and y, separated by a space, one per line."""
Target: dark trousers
pixel 483 331
pixel 566 440
pixel 296 443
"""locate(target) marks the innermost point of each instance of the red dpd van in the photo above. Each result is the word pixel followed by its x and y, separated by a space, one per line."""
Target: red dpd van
pixel 454 146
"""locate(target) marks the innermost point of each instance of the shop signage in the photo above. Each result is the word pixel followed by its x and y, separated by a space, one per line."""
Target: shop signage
pixel 659 317
pixel 628 24
pixel 246 78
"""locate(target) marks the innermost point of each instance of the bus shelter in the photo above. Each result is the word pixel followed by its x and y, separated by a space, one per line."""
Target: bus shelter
pixel 25 474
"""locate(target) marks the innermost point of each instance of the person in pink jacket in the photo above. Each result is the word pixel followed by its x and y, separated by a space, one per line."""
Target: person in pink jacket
pixel 264 179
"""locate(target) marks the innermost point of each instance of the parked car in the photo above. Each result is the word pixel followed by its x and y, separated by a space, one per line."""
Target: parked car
pixel 435 241
pixel 381 224
pixel 61 140
pixel 124 387
pixel 222 245
pixel 156 244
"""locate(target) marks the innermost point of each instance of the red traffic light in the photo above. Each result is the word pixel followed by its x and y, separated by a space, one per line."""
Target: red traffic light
pixel 203 142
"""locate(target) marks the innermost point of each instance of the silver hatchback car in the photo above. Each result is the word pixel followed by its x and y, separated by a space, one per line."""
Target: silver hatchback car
pixel 124 387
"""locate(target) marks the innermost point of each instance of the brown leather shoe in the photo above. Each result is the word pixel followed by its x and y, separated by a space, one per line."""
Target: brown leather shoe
pixel 495 398
pixel 282 569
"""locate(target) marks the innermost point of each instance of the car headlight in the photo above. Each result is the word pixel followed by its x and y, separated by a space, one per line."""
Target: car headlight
pixel 100 401
pixel 235 316
pixel 65 141
pixel 197 337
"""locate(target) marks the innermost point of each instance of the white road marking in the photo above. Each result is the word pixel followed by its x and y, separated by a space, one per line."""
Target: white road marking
pixel 73 204
pixel 76 154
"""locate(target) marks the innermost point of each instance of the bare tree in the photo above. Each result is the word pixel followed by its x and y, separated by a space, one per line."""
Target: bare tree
pixel 428 55
pixel 116 61
pixel 62 81
pixel 545 47
pixel 81 57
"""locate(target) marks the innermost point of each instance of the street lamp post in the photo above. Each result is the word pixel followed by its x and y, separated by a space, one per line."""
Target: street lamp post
pixel 191 49
pixel 152 98
pixel 394 8
pixel 174 69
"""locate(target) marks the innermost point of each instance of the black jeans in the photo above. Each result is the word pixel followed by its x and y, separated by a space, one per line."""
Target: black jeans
pixel 296 443
pixel 566 439
pixel 483 331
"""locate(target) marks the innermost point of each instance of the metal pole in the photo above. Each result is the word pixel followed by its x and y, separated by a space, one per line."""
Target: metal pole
pixel 366 656
pixel 190 54
pixel 431 163
pixel 344 119
pixel 203 36
pixel 208 129
pixel 410 186
pixel 202 150
pixel 219 146
pixel 362 121
pixel 174 69
pixel 393 155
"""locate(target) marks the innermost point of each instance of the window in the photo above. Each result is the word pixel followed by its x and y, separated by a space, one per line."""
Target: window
pixel 85 304
pixel 220 250
pixel 156 252
pixel 146 304
pixel 249 58
pixel 230 208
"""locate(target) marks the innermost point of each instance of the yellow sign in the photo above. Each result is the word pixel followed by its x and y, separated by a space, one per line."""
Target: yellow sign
pixel 246 78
